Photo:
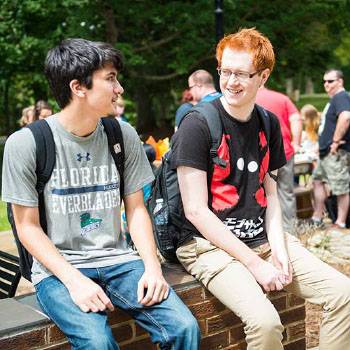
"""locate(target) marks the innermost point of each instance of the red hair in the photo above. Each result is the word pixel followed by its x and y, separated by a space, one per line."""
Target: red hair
pixel 186 96
pixel 252 41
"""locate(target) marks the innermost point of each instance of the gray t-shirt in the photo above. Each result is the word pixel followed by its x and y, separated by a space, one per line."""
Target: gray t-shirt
pixel 82 198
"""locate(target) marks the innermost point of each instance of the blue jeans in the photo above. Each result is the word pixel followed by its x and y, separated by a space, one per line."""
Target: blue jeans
pixel 169 323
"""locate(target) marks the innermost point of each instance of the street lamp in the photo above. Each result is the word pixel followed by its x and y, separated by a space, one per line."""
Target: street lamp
pixel 219 24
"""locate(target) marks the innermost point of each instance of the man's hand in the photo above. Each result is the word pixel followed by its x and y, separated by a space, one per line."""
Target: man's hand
pixel 88 295
pixel 267 275
pixel 281 261
pixel 296 147
pixel 335 146
pixel 156 286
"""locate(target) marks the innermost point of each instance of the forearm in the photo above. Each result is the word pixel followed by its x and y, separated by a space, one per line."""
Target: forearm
pixel 274 226
pixel 85 293
pixel 39 246
pixel 342 126
pixel 141 232
pixel 296 127
pixel 212 228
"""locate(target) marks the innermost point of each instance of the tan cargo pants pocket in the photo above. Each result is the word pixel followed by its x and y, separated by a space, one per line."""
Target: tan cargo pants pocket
pixel 202 259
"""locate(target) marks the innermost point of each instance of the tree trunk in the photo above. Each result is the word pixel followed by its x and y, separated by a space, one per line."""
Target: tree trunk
pixel 6 107
pixel 289 87
pixel 146 121
pixel 111 28
pixel 309 87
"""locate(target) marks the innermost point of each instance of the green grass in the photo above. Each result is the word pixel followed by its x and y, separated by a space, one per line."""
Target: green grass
pixel 318 100
pixel 4 224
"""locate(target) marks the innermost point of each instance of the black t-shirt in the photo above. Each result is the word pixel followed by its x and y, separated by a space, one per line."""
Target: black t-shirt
pixel 236 194
pixel 338 103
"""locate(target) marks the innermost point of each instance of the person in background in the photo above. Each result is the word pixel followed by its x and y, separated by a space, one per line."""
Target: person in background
pixel 28 116
pixel 334 150
pixel 119 114
pixel 291 128
pixel 42 110
pixel 187 104
pixel 202 89
pixel 309 137
pixel 201 86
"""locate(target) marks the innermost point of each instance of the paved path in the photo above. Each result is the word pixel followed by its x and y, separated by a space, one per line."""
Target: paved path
pixel 7 244
pixel 331 245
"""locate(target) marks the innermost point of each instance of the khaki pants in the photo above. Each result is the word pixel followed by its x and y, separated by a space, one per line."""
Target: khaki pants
pixel 232 283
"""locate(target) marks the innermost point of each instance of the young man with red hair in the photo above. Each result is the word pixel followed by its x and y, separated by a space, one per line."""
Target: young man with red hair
pixel 237 244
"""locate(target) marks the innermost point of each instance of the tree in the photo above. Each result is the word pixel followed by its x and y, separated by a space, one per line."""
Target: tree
pixel 162 41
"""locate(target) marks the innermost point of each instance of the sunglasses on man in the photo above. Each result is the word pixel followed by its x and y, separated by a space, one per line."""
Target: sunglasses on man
pixel 329 81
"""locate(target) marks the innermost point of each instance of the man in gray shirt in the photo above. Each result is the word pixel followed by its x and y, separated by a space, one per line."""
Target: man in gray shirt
pixel 83 265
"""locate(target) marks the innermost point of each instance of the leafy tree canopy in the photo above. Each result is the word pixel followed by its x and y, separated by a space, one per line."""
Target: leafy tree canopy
pixel 162 41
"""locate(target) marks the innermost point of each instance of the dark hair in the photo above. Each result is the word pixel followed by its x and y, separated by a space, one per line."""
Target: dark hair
pixel 39 106
pixel 77 59
pixel 150 152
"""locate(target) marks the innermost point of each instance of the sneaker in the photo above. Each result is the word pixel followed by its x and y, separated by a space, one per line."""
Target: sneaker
pixel 335 225
pixel 317 223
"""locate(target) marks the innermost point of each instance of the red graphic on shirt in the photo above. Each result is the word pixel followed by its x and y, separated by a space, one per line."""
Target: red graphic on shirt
pixel 224 195
pixel 260 193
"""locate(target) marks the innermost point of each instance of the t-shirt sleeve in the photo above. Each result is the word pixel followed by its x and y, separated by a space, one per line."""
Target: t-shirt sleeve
pixel 18 171
pixel 277 155
pixel 137 170
pixel 191 144
pixel 341 103
pixel 181 111
pixel 290 107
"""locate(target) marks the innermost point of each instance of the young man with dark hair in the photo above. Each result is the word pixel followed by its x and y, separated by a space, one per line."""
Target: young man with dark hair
pixel 83 266
pixel 238 248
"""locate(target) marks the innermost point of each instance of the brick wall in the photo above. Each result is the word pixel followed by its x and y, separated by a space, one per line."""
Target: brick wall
pixel 220 328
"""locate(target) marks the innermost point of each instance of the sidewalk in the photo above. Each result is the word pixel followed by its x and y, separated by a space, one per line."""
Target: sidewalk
pixel 8 245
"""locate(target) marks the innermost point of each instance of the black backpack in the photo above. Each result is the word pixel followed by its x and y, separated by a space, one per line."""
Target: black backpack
pixel 45 163
pixel 165 204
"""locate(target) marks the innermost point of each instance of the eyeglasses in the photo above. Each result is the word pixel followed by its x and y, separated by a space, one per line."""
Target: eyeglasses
pixel 329 81
pixel 240 76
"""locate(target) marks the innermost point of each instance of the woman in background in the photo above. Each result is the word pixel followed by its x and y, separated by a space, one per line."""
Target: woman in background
pixel 187 104
pixel 28 116
pixel 309 139
pixel 42 110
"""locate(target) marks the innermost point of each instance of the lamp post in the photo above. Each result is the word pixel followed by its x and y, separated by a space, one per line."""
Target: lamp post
pixel 219 24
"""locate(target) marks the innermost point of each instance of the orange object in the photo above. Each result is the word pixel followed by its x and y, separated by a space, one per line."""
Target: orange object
pixel 163 147
pixel 151 141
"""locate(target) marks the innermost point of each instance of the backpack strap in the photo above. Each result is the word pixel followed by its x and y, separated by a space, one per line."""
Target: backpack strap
pixel 45 152
pixel 45 161
pixel 116 147
pixel 266 121
pixel 211 116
